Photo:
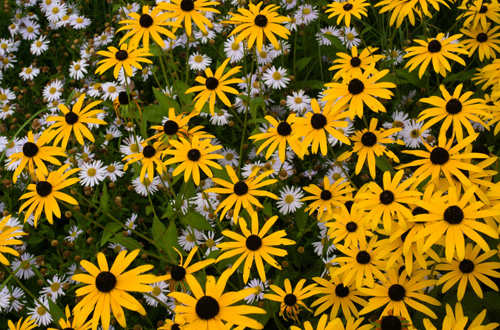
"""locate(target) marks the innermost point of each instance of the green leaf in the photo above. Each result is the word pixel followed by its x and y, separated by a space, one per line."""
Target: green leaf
pixel 111 229
pixel 313 84
pixel 196 220
pixel 301 217
pixel 411 78
pixel 166 101
pixel 460 76
pixel 268 209
pixel 128 242
pixel 56 311
pixel 302 63
pixel 154 113
pixel 336 43
pixel 105 199
pixel 384 165
pixel 165 238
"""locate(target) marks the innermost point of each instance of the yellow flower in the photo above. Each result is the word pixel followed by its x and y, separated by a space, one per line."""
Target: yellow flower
pixel 149 156
pixel 7 237
pixel 291 299
pixel 126 57
pixel 74 322
pixel 357 62
pixel 457 320
pixel 28 324
pixel 345 10
pixel 485 41
pixel 189 10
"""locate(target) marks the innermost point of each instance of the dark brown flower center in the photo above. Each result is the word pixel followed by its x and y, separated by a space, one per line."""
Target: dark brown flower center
pixel 105 281
pixel 483 9
pixel 355 61
pixel 284 128
pixel 363 257
pixel 121 55
pixel 419 210
pixel 318 121
pixel 439 156
pixel 194 155
pixel 386 197
pixel 175 326
pixel 211 83
pixel 482 37
pixel 207 308
pixel 30 149
pixel 453 106
pixel 347 7
pixel 434 46
pixel 397 292
pixel 351 226
pixel 290 299
pixel 123 98
pixel 326 195
pixel 369 139
pixel 253 242
pixel 341 290
pixel 355 86
pixel 43 188
pixel 71 118
pixel 145 21
pixel 240 188
pixel 466 266
pixel 178 273
pixel 148 151
pixel 260 20
pixel 391 322
pixel 187 5
pixel 170 127
pixel 453 215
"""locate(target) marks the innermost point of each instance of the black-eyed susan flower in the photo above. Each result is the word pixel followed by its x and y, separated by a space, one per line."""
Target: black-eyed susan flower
pixel 256 24
pixel 324 199
pixel 278 136
pixel 126 57
pixel 193 155
pixel 323 324
pixel 390 321
pixel 356 62
pixel 150 156
pixel 471 269
pixel 149 23
pixel 75 322
pixel 443 158
pixel 360 264
pixel 483 41
pixel 315 125
pixel 337 294
pixel 389 201
pixel 254 245
pixel 402 9
pixel 457 320
pixel 177 323
pixel 27 324
pixel 175 126
pixel 210 307
pixel 348 226
pixel 400 291
pixel 435 50
pixel 107 289
pixel 189 11
pixel 179 274
pixel 8 237
pixel 34 153
pixel 291 299
pixel 214 86
pixel 74 120
pixel 43 195
pixel 456 110
pixel 359 89
pixel 368 145
pixel 347 9
pixel 351 324
pixel 242 192
pixel 452 216
pixel 479 12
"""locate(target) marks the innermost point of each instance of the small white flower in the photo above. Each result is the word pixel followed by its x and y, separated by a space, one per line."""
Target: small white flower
pixel 131 145
pixel 160 289
pixel 39 46
pixel 349 37
pixel 16 298
pixel 22 268
pixel 260 289
pixel 114 171
pixel 78 69
pixel 190 238
pixel 92 173
pixel 231 157
pixel 29 73
pixel 413 135
pixel 73 234
pixel 210 242
pixel 289 200
pixel 275 78
pixel 55 288
pixel 53 91
pixel 4 299
pixel 305 14
pixel 130 223
pixel 146 185
pixel 199 62
pixel 233 50
pixel 298 101
pixel 220 118
pixel 40 313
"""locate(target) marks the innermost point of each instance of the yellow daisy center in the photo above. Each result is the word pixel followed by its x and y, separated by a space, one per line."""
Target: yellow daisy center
pixel 189 238
pixel 38 43
pixel 235 46
pixel 111 168
pixel 156 291
pixel 55 286
pixel 28 70
pixel 134 147
pixel 52 90
pixel 91 172
pixel 229 156
pixel 108 137
pixel 3 97
pixel 298 100
pixel 41 310
pixel 210 243
pixel 5 108
pixel 79 20
pixel 30 29
pixel 112 89
pixel 263 54
pixel 198 58
pixel 277 76
pixel 350 36
pixel 77 67
pixel 415 133
pixel 306 11
pixel 4 46
pixel 289 199
pixel 55 10
pixel 336 176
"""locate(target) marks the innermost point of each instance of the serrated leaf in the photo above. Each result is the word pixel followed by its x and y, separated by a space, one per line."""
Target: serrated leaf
pixel 196 220
pixel 109 230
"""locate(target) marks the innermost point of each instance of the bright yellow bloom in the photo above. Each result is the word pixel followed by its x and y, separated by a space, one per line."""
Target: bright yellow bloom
pixel 335 194
pixel 28 324
pixel 357 62
pixel 126 57
pixel 291 300
pixel 458 321
pixel 74 322
pixel 189 11
pixel 7 237
pixel 485 41
pixel 149 156
pixel 345 10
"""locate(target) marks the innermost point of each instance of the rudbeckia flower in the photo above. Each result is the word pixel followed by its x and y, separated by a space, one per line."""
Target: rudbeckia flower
pixel 27 324
pixel 210 307
pixel 189 11
pixel 256 24
pixel 348 225
pixel 435 50
pixel 34 153
pixel 254 245
pixel 457 320
pixel 74 322
pixel 44 194
pixel 291 299
pixel 214 86
pixel 242 191
pixel 357 62
pixel 480 12
pixel 323 324
pixel 107 289
pixel 149 156
pixel 126 57
pixel 142 26
pixel 346 10
pixel 7 237
pixel 73 120
pixel 335 194
pixel 483 41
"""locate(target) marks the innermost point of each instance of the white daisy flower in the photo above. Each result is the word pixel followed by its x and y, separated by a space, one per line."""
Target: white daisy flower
pixel 112 132
pixel 210 242
pixel 11 223
pixel 231 157
pixel 147 71
pixel 78 69
pixel 349 37
pixel 39 46
pixel 289 4
pixel 6 95
pixel 330 30
pixel 305 14
pixel 298 101
pixel 394 55
pixel 221 117
pixel 413 135
pixel 94 90
pixel 30 30
pixel 319 246
pixel 190 238
pixel 29 73
pixel 145 186
pixel 56 12
pixel 55 288
pixel 160 289
pixel 199 62
pixel 400 119
pixel 117 248
pixel 204 37
pixel 289 200
pixel 6 111
pixel 22 266
pixel 78 22
pixel 347 131
pixel 16 298
pixel 129 8
pixel 264 56
pixel 53 91
pixel 72 270
pixel 275 78
pixel 4 299
pixel 131 146
pixel 92 173
pixel 249 168
pixel 283 49
pixel 260 287
pixel 130 223
pixel 73 234
pixel 233 50
pixel 111 90
pixel 114 171
pixel 40 313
